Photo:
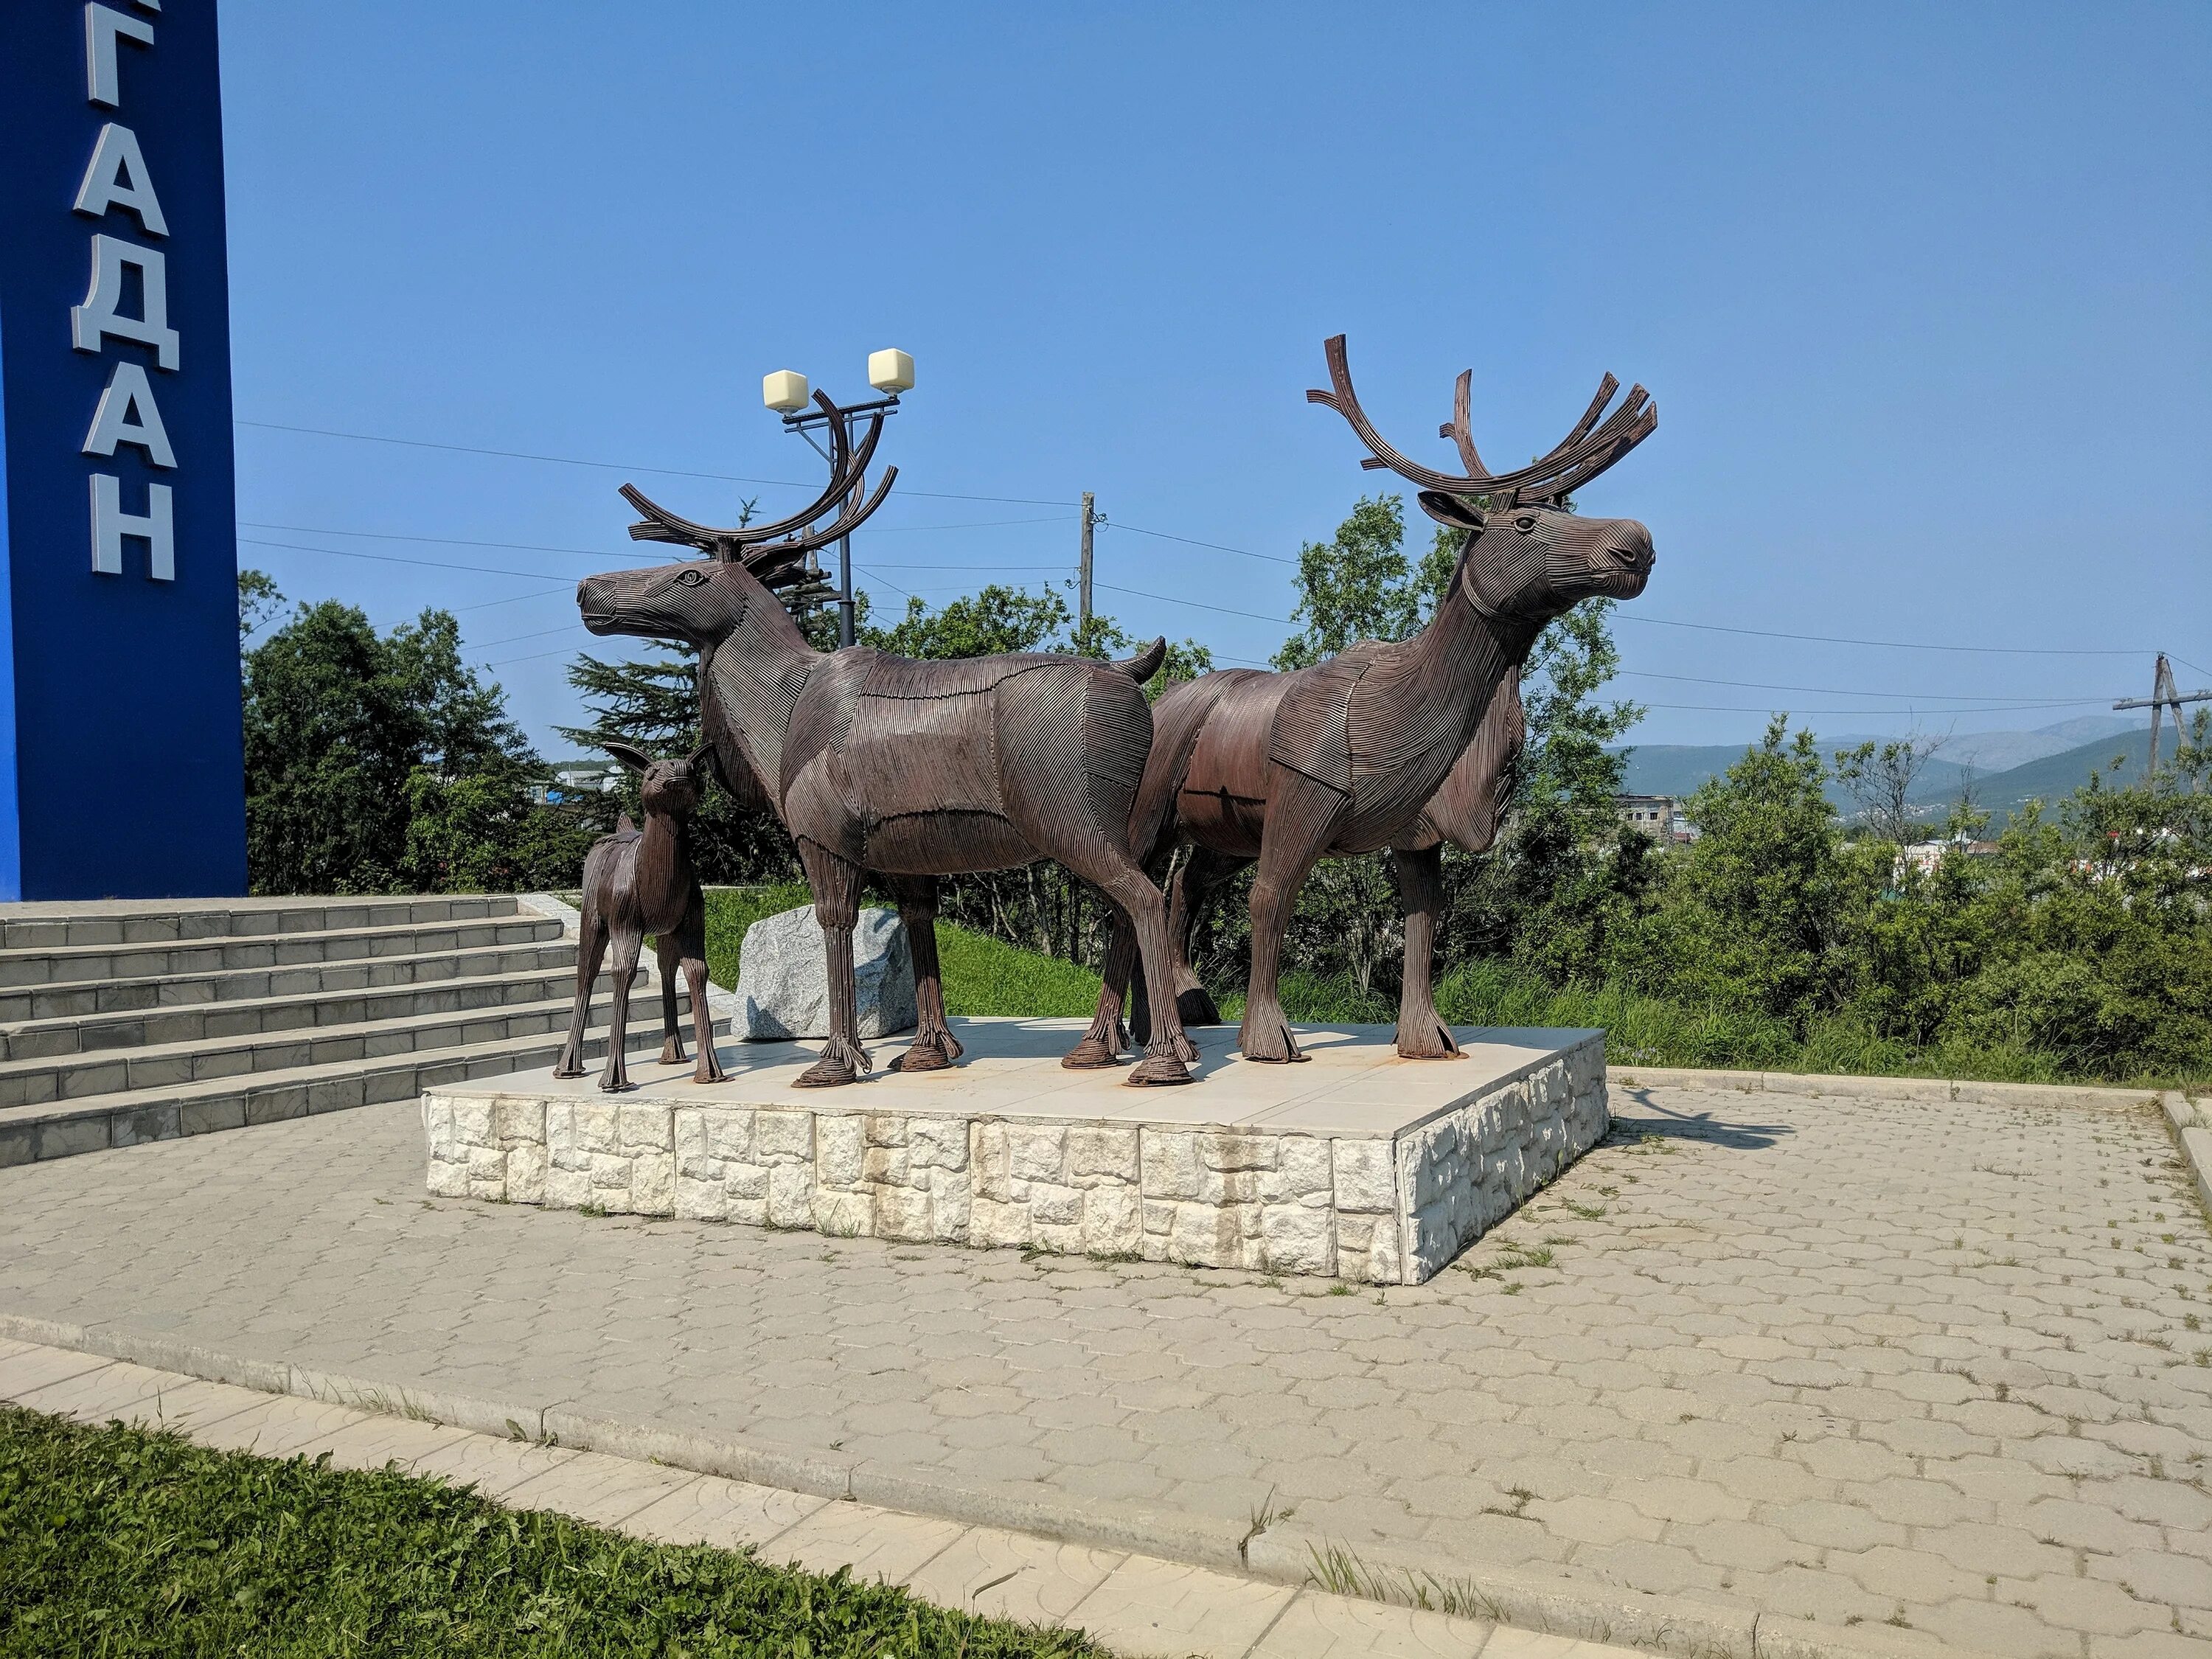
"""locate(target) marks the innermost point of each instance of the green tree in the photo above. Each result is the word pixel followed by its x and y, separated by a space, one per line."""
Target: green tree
pixel 340 720
pixel 654 703
pixel 998 619
pixel 1353 586
pixel 258 602
pixel 1759 908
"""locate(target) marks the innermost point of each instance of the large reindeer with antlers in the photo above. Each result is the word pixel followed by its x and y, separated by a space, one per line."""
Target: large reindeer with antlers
pixel 1467 811
pixel 1346 757
pixel 909 770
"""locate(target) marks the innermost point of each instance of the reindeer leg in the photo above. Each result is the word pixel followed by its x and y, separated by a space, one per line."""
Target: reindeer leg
pixel 591 951
pixel 1421 1035
pixel 1103 1044
pixel 628 943
pixel 934 1046
pixel 1201 878
pixel 664 948
pixel 691 954
pixel 836 886
pixel 1302 819
pixel 1115 874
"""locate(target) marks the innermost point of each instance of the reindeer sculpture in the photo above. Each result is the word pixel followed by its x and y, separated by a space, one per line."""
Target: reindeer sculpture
pixel 1345 758
pixel 1467 811
pixel 638 881
pixel 908 770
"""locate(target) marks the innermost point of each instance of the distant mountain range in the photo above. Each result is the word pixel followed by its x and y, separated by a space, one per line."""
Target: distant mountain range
pixel 2004 770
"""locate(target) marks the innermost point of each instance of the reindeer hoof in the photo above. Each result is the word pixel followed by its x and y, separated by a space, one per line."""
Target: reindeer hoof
pixel 1158 1072
pixel 1427 1041
pixel 1195 1007
pixel 924 1055
pixel 1186 1050
pixel 1270 1043
pixel 672 1053
pixel 616 1086
pixel 709 1068
pixel 1089 1055
pixel 825 1074
pixel 567 1070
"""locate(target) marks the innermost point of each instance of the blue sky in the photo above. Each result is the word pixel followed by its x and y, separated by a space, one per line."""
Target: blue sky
pixel 1921 292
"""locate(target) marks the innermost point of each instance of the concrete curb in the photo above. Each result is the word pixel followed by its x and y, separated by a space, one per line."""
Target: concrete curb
pixel 1932 1090
pixel 2190 1125
pixel 1691 1627
pixel 1688 1626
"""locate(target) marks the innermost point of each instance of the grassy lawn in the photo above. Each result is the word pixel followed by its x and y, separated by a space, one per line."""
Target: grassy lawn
pixel 986 975
pixel 983 974
pixel 118 1541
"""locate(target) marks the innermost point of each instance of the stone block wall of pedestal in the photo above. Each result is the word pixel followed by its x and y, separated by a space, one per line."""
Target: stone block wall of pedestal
pixel 1385 1208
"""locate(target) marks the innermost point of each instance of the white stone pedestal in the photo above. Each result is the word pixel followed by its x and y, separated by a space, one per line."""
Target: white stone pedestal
pixel 1355 1164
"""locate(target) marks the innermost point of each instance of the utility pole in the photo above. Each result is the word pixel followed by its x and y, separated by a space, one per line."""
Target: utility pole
pixel 1083 588
pixel 2162 697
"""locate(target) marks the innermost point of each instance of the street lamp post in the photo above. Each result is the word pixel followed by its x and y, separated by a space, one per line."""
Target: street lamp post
pixel 891 373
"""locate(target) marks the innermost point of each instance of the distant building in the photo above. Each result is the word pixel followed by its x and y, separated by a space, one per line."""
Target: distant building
pixel 1660 816
pixel 577 781
pixel 1925 856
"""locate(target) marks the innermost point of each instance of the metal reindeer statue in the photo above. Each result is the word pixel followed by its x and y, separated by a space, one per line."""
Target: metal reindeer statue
pixel 908 770
pixel 638 881
pixel 1466 810
pixel 1346 757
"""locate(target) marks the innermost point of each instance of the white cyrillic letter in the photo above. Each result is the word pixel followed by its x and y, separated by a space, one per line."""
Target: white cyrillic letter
pixel 113 157
pixel 111 524
pixel 127 414
pixel 102 85
pixel 98 315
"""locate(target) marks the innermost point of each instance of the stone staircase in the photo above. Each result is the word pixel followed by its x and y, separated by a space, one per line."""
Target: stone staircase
pixel 122 1022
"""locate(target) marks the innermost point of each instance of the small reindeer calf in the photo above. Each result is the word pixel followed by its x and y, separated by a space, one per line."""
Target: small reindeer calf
pixel 638 881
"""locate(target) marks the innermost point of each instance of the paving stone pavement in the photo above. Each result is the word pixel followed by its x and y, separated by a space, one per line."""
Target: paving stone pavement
pixel 1942 1367
pixel 1146 1608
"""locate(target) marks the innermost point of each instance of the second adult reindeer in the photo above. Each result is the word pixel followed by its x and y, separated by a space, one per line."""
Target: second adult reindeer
pixel 908 770
pixel 1343 757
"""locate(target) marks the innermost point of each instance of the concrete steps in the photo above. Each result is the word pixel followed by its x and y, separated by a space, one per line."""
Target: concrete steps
pixel 25 1005
pixel 123 1024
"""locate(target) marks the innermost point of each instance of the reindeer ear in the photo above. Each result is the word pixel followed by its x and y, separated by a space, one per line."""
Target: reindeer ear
pixel 1451 509
pixel 629 754
pixel 697 758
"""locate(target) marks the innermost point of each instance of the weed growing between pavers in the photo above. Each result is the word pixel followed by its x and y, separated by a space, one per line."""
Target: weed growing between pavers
pixel 1339 1569
pixel 123 1541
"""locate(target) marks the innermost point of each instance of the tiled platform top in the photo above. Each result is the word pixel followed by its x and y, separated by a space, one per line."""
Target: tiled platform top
pixel 1352 1082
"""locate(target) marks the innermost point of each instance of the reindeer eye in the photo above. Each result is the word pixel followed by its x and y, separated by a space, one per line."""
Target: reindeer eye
pixel 692 579
pixel 1525 522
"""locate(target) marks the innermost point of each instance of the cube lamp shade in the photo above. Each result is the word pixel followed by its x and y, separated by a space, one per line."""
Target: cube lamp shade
pixel 784 391
pixel 890 371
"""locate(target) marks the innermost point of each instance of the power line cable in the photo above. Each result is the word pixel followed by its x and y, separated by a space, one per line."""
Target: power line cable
pixel 1892 645
pixel 1195 604
pixel 1218 547
pixel 1845 690
pixel 618 466
pixel 393 558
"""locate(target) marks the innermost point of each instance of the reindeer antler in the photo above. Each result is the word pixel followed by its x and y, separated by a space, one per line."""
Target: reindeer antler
pixel 1588 448
pixel 783 565
pixel 848 467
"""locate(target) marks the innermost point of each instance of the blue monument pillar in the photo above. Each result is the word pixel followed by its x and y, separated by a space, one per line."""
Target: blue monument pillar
pixel 121 762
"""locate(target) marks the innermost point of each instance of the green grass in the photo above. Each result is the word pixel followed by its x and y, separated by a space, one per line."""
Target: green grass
pixel 983 974
pixel 986 976
pixel 120 1543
